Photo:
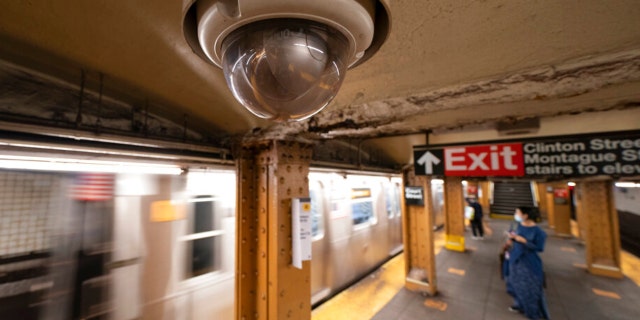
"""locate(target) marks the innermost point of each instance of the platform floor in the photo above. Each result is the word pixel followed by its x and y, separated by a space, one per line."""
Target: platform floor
pixel 470 287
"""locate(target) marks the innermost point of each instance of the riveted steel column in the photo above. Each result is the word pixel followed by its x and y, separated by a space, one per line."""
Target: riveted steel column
pixel 541 191
pixel 580 217
pixel 561 209
pixel 454 214
pixel 597 209
pixel 484 200
pixel 551 215
pixel 418 238
pixel 270 174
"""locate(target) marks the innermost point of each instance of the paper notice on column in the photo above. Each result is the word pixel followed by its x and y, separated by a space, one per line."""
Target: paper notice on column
pixel 300 231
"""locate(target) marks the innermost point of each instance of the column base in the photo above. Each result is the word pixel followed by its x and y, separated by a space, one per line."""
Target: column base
pixel 420 286
pixel 563 235
pixel 605 271
pixel 454 242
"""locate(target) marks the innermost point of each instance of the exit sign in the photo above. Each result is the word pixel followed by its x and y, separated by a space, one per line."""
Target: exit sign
pixel 613 154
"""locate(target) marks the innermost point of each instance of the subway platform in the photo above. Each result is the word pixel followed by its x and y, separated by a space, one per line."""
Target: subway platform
pixel 470 286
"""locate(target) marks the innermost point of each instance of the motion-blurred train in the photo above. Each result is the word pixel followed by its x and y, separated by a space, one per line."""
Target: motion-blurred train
pixel 162 246
pixel 627 197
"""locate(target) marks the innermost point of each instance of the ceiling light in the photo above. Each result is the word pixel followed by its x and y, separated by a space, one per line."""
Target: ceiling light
pixel 76 165
pixel 627 185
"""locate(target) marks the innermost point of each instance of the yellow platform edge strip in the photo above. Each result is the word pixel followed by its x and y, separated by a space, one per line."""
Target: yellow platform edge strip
pixel 454 242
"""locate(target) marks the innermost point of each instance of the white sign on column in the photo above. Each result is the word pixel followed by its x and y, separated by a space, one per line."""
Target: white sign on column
pixel 300 231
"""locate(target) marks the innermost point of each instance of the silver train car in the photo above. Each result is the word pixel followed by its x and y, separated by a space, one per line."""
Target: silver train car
pixel 627 197
pixel 161 246
pixel 357 225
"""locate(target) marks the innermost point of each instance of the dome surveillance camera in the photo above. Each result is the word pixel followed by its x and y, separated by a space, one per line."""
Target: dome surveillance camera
pixel 285 59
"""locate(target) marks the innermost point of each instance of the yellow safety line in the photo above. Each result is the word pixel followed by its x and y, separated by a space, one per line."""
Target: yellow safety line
pixel 459 272
pixel 630 266
pixel 435 304
pixel 366 298
pixel 608 294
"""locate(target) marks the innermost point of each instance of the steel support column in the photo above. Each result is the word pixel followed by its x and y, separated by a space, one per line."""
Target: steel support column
pixel 543 206
pixel 561 209
pixel 418 238
pixel 551 215
pixel 454 214
pixel 581 219
pixel 597 209
pixel 270 174
pixel 485 199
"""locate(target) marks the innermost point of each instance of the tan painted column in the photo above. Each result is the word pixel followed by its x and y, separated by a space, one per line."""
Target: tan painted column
pixel 550 213
pixel 486 196
pixel 561 209
pixel 602 232
pixel 454 214
pixel 541 191
pixel 270 174
pixel 417 228
pixel 581 219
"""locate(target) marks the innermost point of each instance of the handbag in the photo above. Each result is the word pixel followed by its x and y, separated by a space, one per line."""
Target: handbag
pixel 469 212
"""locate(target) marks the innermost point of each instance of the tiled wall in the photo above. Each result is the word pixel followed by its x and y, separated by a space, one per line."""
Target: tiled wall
pixel 27 203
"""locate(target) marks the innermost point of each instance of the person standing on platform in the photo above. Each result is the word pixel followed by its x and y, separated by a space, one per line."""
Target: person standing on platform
pixel 476 222
pixel 526 277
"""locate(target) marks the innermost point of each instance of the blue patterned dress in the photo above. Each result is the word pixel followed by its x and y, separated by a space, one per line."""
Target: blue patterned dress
pixel 526 277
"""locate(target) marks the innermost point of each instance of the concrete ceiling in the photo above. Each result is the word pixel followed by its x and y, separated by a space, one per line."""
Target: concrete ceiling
pixel 447 64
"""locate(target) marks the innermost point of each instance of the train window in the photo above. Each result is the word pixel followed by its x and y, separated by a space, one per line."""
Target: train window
pixel 362 206
pixel 317 208
pixel 204 242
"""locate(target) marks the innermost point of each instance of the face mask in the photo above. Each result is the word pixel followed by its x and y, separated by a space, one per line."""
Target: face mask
pixel 518 218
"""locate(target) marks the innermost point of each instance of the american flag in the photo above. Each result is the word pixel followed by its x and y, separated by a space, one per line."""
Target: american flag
pixel 93 187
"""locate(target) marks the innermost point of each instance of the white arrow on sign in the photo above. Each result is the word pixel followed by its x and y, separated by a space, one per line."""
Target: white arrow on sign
pixel 428 160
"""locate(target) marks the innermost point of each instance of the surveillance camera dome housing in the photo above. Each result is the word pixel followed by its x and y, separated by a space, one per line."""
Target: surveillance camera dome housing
pixel 284 59
pixel 284 69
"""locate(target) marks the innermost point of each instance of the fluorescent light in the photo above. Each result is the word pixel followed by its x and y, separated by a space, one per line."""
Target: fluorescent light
pixel 571 184
pixel 627 185
pixel 437 181
pixel 77 165
pixel 87 150
pixel 208 199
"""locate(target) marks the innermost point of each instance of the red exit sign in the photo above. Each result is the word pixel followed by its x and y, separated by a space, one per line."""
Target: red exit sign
pixel 484 160
pixel 504 159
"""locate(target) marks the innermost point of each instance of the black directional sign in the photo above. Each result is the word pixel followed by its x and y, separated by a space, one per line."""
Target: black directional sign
pixel 431 162
pixel 414 196
pixel 612 154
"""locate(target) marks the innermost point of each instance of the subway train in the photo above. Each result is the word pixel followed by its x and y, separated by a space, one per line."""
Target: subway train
pixel 626 195
pixel 356 227
pixel 161 245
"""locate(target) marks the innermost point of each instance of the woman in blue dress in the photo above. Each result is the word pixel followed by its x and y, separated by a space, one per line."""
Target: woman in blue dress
pixel 526 278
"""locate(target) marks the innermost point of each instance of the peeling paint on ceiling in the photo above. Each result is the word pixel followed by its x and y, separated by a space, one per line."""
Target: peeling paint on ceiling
pixel 547 85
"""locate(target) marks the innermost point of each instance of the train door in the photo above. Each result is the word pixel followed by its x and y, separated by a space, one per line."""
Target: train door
pixel 93 209
pixel 393 212
pixel 319 247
